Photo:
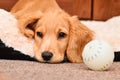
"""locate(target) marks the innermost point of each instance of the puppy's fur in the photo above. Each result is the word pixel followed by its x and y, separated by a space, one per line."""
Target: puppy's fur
pixel 55 32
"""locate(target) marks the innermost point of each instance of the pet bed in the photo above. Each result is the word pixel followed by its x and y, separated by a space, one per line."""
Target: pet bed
pixel 15 46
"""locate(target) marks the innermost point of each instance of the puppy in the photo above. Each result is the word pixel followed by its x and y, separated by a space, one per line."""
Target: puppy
pixel 55 32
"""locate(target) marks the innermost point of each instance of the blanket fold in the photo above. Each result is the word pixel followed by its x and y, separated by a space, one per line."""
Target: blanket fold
pixel 10 53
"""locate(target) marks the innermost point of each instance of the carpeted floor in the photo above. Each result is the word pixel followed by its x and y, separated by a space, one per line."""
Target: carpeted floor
pixel 28 70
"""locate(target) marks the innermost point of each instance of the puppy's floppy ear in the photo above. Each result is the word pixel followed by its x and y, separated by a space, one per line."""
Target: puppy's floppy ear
pixel 27 23
pixel 79 36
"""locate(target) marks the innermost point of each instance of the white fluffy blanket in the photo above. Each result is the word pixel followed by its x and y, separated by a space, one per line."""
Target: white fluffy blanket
pixel 107 30
pixel 10 35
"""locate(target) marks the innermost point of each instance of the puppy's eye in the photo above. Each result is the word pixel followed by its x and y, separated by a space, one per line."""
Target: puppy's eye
pixel 61 35
pixel 39 34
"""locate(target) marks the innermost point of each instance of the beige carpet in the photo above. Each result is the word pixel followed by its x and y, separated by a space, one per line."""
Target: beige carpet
pixel 28 70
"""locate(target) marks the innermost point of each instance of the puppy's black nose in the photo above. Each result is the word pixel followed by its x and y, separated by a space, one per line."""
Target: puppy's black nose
pixel 47 55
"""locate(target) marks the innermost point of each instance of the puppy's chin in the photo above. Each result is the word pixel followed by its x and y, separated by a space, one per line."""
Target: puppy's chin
pixel 52 60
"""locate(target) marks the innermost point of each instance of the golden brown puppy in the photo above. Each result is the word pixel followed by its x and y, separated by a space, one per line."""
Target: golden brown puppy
pixel 55 32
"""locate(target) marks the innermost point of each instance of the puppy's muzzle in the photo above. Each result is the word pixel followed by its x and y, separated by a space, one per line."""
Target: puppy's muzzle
pixel 47 55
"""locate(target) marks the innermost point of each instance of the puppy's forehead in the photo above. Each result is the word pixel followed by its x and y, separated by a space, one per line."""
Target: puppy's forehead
pixel 52 20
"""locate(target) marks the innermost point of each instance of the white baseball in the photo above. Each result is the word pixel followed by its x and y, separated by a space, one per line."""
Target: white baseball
pixel 98 55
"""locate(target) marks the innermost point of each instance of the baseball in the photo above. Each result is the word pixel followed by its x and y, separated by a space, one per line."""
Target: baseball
pixel 98 55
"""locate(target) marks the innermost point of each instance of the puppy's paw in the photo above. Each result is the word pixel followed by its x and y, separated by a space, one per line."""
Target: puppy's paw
pixel 29 33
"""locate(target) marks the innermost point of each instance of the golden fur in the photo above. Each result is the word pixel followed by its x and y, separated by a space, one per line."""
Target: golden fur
pixel 54 31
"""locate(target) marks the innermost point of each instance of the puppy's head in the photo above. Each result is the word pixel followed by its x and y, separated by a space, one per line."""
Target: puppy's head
pixel 51 37
pixel 58 33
